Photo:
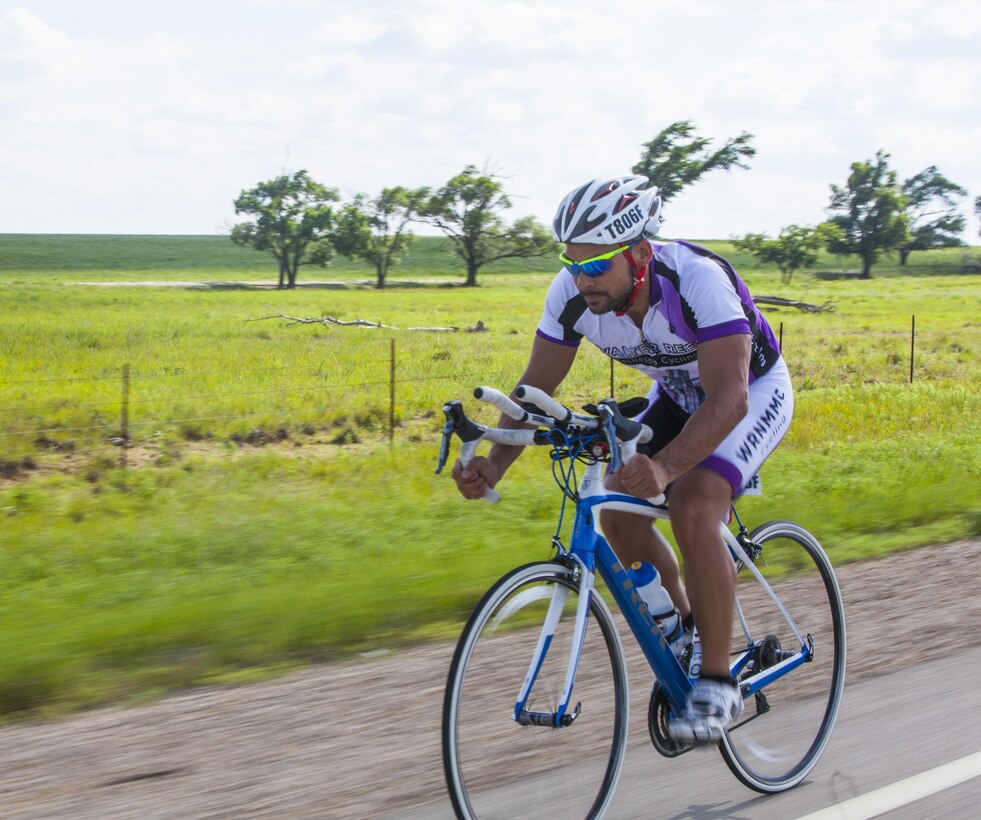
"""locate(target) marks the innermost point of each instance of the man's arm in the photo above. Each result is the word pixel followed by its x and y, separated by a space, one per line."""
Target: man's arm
pixel 548 365
pixel 723 365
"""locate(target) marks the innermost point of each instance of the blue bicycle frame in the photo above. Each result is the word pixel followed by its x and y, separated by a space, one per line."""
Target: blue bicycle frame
pixel 590 552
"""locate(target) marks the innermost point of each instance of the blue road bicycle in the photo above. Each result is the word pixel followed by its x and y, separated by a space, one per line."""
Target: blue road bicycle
pixel 535 712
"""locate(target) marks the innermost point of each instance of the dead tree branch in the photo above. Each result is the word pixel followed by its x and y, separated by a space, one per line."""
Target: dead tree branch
pixel 479 327
pixel 827 307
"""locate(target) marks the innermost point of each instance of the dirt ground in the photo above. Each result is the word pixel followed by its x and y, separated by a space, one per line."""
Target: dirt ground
pixel 361 739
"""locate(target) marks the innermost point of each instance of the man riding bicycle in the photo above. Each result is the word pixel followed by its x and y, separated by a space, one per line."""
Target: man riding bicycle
pixel 719 403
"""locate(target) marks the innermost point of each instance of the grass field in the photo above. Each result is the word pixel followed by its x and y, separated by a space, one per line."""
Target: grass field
pixel 216 258
pixel 213 258
pixel 264 520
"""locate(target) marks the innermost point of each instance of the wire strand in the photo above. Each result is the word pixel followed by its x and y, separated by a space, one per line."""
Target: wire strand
pixel 171 375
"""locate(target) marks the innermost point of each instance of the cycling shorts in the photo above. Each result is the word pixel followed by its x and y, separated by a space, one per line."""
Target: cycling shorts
pixel 740 455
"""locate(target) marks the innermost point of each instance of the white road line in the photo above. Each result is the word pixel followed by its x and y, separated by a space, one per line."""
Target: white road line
pixel 904 791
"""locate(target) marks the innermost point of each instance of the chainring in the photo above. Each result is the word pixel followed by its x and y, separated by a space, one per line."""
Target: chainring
pixel 658 711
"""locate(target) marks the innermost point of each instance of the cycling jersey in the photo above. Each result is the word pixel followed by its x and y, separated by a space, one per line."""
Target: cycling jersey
pixel 695 296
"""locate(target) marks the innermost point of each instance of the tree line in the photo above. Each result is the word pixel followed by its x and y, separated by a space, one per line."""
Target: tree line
pixel 872 213
pixel 300 221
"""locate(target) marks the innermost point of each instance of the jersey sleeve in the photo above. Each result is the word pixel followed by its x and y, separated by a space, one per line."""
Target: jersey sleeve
pixel 559 315
pixel 714 300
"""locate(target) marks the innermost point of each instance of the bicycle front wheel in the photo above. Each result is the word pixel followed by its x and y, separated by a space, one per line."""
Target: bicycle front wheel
pixel 787 725
pixel 496 767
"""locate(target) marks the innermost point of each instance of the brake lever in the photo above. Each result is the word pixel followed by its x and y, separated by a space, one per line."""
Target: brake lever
pixel 456 422
pixel 608 423
pixel 469 433
pixel 444 446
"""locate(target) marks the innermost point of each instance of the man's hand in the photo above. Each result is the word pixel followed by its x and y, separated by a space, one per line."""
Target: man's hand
pixel 476 477
pixel 643 477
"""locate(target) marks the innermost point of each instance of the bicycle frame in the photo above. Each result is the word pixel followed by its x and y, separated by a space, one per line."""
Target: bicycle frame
pixel 589 550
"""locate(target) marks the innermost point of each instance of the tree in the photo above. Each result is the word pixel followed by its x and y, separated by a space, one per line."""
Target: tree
pixel 375 229
pixel 931 208
pixel 977 210
pixel 467 209
pixel 870 212
pixel 291 218
pixel 796 247
pixel 676 158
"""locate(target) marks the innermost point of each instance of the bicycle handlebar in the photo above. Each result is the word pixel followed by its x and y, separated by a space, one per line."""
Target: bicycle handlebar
pixel 500 401
pixel 621 434
pixel 559 412
pixel 511 408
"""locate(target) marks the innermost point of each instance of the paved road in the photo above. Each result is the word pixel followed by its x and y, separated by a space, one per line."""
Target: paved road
pixel 890 728
pixel 360 739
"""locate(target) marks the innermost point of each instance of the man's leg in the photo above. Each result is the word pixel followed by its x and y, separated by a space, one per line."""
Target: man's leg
pixel 700 499
pixel 634 538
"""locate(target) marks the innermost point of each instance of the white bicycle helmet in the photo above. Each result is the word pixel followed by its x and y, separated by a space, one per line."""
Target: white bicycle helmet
pixel 608 211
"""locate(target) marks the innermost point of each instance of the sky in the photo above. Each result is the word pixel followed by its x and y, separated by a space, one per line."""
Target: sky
pixel 143 117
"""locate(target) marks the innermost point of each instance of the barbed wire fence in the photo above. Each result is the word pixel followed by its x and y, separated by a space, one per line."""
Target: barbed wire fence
pixel 119 430
pixel 120 423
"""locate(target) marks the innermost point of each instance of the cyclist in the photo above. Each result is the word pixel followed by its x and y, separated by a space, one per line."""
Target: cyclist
pixel 719 403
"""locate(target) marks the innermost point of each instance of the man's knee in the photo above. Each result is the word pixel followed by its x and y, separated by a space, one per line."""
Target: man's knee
pixel 700 499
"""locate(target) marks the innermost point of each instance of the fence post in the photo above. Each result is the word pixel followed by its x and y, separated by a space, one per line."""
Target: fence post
pixel 780 341
pixel 391 393
pixel 912 344
pixel 124 418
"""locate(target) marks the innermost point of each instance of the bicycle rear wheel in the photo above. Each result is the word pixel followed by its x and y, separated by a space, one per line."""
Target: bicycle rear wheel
pixel 496 767
pixel 787 725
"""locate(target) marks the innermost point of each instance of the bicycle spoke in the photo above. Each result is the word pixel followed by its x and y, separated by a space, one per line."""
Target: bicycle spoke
pixel 787 724
pixel 498 768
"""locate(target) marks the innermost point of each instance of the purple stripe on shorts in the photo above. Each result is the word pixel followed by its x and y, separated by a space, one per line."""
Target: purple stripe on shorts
pixel 733 328
pixel 562 342
pixel 727 471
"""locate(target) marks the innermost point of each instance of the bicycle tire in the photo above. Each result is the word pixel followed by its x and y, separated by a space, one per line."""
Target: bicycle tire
pixel 780 739
pixel 493 765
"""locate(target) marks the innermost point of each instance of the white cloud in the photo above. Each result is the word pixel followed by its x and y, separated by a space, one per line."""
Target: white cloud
pixel 350 31
pixel 947 86
pixel 959 19
pixel 156 123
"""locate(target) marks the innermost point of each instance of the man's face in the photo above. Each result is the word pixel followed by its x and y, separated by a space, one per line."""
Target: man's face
pixel 609 290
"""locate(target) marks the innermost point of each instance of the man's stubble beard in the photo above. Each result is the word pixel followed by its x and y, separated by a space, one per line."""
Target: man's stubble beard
pixel 610 301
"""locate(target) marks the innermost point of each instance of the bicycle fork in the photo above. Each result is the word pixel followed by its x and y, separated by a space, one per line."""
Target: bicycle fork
pixel 561 717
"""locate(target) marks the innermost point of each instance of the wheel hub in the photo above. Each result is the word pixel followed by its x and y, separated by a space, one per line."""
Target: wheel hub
pixel 769 652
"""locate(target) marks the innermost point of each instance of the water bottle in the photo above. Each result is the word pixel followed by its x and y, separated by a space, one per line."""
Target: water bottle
pixel 648 585
pixel 695 663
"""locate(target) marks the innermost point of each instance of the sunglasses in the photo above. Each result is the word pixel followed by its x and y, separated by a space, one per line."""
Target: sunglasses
pixel 596 265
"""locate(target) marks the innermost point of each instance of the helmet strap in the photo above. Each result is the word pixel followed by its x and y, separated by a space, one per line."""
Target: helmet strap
pixel 640 273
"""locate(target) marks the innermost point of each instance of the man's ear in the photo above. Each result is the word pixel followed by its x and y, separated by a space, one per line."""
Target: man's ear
pixel 643 252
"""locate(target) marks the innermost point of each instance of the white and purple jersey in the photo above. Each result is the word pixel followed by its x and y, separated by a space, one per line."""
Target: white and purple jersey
pixel 695 296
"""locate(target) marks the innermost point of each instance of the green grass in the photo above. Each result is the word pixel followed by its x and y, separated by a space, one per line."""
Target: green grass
pixel 216 258
pixel 67 257
pixel 71 253
pixel 196 570
pixel 212 558
pixel 200 369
